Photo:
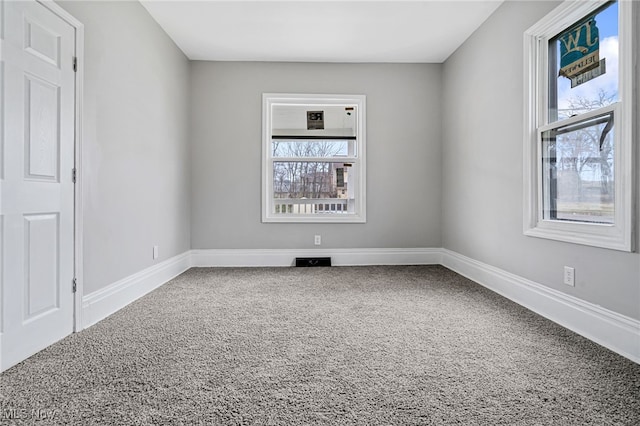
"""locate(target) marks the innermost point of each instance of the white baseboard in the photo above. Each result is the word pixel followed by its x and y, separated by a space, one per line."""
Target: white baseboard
pixel 614 331
pixel 339 257
pixel 617 332
pixel 106 301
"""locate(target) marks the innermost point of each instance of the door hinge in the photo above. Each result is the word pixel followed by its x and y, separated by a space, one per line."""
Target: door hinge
pixel 74 174
pixel 75 284
pixel 75 64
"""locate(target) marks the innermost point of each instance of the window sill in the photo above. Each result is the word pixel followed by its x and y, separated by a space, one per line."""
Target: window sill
pixel 314 219
pixel 594 235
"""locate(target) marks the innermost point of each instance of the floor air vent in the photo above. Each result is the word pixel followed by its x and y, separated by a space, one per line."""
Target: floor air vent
pixel 313 261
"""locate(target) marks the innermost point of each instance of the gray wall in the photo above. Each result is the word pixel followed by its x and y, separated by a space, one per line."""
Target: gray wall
pixel 403 153
pixel 483 175
pixel 135 147
pixel 444 155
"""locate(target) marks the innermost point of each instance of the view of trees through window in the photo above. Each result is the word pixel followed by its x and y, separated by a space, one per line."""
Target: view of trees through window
pixel 309 169
pixel 579 171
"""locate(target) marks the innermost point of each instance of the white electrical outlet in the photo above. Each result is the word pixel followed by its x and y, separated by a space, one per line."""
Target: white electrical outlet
pixel 569 276
pixel 317 240
pixel 155 252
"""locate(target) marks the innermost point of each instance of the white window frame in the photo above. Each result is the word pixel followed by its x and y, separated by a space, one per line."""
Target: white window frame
pixel 269 100
pixel 619 235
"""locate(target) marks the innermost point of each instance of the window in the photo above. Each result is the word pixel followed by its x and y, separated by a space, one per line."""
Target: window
pixel 579 125
pixel 313 158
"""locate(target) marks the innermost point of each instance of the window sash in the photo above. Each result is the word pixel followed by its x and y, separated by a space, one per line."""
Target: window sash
pixel 550 185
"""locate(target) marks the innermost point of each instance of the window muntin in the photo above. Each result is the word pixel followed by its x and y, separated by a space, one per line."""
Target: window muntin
pixel 553 123
pixel 313 171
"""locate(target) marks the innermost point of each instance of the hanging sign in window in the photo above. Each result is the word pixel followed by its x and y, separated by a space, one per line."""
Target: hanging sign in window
pixel 579 49
pixel 579 79
pixel 315 120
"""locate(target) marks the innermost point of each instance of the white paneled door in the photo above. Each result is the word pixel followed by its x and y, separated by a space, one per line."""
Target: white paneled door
pixel 36 171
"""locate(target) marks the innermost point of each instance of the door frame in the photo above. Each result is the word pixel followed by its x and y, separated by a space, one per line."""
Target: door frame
pixel 77 208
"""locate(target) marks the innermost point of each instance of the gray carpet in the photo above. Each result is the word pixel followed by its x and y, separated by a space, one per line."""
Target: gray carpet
pixel 399 345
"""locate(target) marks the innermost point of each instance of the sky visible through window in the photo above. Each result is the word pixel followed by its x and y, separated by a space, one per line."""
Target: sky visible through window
pixel 602 90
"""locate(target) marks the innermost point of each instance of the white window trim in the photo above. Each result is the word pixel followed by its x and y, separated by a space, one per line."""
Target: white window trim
pixel 271 99
pixel 618 236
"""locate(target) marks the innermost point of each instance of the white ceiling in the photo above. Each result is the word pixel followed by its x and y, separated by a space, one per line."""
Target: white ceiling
pixel 320 31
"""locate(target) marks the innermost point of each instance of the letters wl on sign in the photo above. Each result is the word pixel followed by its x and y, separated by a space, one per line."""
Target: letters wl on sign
pixel 579 49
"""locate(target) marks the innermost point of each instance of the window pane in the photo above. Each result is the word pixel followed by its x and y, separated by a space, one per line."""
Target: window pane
pixel 312 187
pixel 312 148
pixel 590 43
pixel 578 175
